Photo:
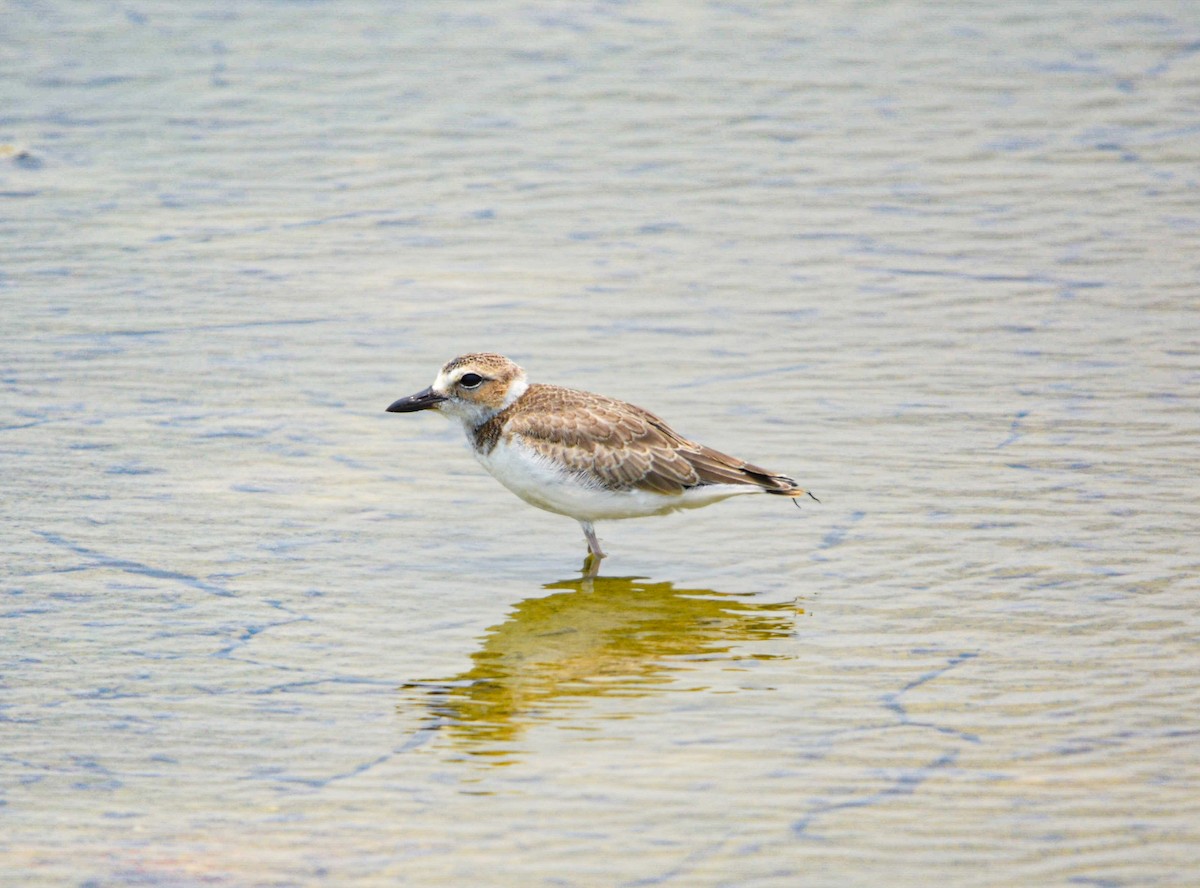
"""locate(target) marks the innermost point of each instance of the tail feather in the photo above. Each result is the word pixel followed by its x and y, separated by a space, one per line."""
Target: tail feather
pixel 781 485
pixel 715 467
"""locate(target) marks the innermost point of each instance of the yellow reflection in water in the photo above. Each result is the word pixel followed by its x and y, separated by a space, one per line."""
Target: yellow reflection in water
pixel 607 636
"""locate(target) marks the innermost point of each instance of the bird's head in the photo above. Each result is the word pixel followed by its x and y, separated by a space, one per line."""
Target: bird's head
pixel 472 388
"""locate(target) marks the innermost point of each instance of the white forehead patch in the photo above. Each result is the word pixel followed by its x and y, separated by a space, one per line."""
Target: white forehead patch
pixel 446 381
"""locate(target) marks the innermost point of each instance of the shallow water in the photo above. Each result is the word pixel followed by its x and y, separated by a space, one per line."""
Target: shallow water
pixel 938 261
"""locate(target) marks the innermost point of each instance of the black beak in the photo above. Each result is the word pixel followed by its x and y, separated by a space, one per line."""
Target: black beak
pixel 422 400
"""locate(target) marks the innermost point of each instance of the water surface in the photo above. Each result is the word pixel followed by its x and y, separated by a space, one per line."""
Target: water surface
pixel 939 262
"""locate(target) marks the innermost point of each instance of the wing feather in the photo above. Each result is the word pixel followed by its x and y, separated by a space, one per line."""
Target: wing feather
pixel 623 447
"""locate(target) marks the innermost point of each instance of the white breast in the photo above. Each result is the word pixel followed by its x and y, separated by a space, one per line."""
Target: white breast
pixel 548 485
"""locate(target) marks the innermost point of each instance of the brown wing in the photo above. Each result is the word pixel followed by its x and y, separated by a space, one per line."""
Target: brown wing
pixel 625 447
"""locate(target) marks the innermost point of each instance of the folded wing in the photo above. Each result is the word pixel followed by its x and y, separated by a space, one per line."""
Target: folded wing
pixel 623 447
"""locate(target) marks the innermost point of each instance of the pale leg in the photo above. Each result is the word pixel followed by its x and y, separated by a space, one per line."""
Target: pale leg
pixel 591 563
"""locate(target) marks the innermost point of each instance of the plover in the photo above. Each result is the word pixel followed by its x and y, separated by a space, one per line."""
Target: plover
pixel 582 455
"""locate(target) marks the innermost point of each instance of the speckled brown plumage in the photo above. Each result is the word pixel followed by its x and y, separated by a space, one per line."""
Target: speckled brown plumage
pixel 484 362
pixel 619 445
pixel 582 455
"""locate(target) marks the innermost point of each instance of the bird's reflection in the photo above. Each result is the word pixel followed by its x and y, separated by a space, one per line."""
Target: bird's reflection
pixel 605 636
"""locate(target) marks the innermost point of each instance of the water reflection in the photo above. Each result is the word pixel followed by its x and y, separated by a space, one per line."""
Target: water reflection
pixel 607 636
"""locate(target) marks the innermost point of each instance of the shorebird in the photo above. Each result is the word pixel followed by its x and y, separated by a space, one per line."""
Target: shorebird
pixel 582 455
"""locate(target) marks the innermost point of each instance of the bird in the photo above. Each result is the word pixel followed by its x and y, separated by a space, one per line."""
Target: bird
pixel 583 455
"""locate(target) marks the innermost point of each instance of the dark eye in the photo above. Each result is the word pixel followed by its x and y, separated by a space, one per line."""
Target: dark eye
pixel 470 380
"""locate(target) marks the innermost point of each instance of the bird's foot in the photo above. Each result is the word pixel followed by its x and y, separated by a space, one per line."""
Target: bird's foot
pixel 591 565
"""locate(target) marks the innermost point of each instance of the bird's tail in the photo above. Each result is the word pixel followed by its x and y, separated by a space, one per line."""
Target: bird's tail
pixel 715 467
pixel 780 485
